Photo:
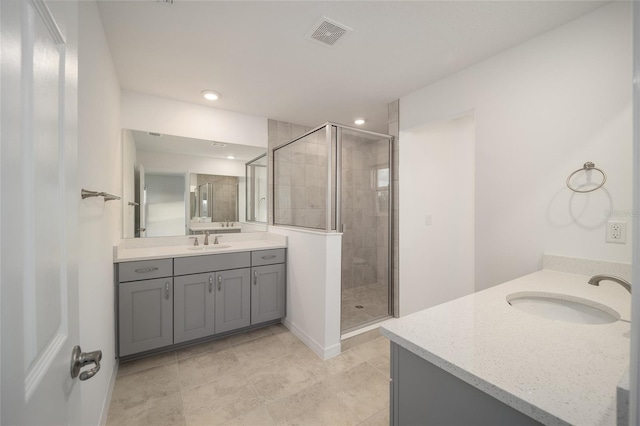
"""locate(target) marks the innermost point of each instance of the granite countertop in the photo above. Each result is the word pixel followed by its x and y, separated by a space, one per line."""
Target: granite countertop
pixel 230 245
pixel 554 371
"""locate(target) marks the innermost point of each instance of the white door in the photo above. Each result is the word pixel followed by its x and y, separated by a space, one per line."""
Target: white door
pixel 143 204
pixel 38 219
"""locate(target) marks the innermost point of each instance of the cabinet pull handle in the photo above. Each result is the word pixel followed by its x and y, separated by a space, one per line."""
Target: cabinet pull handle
pixel 270 256
pixel 219 282
pixel 255 277
pixel 210 283
pixel 146 270
pixel 166 290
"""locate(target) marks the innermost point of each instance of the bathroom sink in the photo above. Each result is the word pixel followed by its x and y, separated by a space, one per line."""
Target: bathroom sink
pixel 208 248
pixel 562 307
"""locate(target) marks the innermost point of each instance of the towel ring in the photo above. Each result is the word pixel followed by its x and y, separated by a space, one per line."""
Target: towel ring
pixel 587 166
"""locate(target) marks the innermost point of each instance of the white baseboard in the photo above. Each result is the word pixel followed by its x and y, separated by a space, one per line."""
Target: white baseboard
pixel 321 351
pixel 107 401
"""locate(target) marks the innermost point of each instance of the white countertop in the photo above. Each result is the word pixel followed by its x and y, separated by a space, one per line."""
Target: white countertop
pixel 162 252
pixel 554 371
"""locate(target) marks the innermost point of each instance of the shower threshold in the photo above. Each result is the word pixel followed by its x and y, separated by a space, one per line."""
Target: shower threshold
pixel 363 328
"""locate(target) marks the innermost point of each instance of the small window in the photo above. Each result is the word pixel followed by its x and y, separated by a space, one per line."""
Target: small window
pixel 382 190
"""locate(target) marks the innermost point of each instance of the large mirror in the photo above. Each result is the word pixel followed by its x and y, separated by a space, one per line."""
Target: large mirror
pixel 182 186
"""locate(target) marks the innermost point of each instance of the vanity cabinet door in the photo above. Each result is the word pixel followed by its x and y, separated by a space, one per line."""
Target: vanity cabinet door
pixel 193 307
pixel 232 299
pixel 267 293
pixel 145 318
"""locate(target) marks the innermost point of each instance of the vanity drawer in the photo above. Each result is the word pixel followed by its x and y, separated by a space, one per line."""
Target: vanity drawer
pixel 145 270
pixel 267 257
pixel 215 262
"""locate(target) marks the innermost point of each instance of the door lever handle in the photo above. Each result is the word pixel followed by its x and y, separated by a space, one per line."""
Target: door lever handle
pixel 79 359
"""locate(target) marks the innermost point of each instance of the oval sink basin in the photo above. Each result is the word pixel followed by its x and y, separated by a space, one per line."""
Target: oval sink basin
pixel 562 307
pixel 208 248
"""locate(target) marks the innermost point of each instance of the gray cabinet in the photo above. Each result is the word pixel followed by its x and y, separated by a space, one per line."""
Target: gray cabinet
pixel 232 300
pixel 424 394
pixel 145 318
pixel 164 302
pixel 212 262
pixel 268 293
pixel 193 303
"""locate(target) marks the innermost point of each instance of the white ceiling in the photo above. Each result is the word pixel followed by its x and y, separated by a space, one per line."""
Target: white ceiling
pixel 256 56
pixel 196 147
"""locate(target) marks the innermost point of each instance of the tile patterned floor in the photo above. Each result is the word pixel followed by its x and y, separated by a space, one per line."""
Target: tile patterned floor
pixel 374 301
pixel 262 377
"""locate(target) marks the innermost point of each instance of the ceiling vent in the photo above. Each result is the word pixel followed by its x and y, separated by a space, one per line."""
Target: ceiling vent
pixel 155 134
pixel 327 32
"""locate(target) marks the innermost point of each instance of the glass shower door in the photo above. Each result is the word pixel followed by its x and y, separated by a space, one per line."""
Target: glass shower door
pixel 364 213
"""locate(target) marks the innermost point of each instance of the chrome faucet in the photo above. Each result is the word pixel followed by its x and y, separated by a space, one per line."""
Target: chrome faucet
pixel 215 241
pixel 595 280
pixel 206 238
pixel 195 242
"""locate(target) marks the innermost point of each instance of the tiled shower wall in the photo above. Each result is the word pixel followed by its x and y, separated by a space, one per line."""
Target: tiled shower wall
pixel 279 132
pixel 300 171
pixel 225 196
pixel 366 229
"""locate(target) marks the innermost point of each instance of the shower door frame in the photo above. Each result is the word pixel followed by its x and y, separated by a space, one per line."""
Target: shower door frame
pixel 334 203
pixel 338 204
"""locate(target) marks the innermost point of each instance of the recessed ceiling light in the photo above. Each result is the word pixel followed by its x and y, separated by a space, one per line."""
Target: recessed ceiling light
pixel 359 121
pixel 230 157
pixel 210 95
pixel 218 144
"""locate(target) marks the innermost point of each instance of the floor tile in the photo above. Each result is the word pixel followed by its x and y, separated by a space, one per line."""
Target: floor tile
pixel 258 378
pixel 363 389
pixel 286 375
pixel 212 346
pixel 342 362
pixel 382 363
pixel 139 388
pixel 158 412
pixel 219 401
pixel 261 351
pixel 315 405
pixel 134 366
pixel 249 335
pixel 372 349
pixel 199 369
pixel 258 417
pixel 381 418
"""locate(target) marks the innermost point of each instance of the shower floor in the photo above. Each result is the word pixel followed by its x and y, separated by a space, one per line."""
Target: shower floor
pixel 364 304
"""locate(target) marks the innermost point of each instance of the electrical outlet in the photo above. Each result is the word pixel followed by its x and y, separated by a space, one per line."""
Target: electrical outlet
pixel 427 219
pixel 616 232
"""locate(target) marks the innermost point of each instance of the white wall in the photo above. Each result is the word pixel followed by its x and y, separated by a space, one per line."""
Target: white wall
pixel 542 109
pixel 152 113
pixel 165 207
pixel 313 288
pixel 128 182
pixel 441 253
pixel 193 164
pixel 100 169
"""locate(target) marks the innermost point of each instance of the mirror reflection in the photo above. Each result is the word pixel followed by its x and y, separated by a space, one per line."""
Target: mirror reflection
pixel 180 186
